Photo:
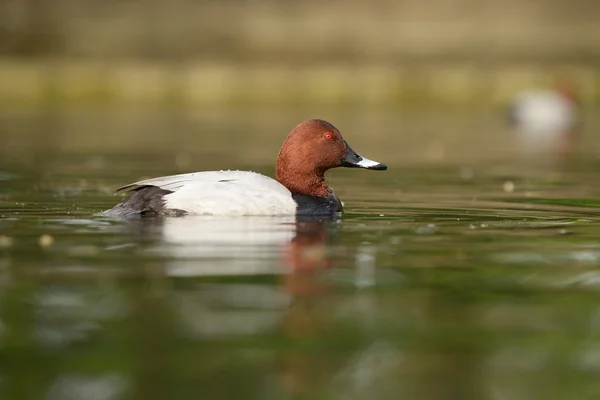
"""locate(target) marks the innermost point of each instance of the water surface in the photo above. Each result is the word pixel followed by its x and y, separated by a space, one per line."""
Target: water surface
pixel 464 271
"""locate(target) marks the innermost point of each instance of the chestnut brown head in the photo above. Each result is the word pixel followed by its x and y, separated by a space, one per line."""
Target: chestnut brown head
pixel 309 150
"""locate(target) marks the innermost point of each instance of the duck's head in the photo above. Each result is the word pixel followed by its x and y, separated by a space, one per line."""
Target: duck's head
pixel 566 89
pixel 309 150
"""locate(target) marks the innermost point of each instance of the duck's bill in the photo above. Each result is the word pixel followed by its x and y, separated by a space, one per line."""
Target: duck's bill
pixel 352 160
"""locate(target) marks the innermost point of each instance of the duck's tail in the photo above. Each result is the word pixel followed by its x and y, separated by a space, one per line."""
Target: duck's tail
pixel 145 201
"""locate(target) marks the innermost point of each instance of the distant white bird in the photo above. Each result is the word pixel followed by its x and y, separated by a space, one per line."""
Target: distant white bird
pixel 546 121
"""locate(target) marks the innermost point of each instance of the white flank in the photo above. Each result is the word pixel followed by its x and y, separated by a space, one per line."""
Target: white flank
pixel 545 114
pixel 225 193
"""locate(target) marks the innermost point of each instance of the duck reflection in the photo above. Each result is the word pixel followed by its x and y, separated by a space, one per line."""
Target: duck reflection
pixel 236 261
pixel 294 251
pixel 216 246
pixel 242 246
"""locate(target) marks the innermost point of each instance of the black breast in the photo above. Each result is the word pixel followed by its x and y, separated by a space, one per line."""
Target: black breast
pixel 312 205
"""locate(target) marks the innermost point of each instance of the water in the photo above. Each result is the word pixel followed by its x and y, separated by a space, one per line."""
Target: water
pixel 462 272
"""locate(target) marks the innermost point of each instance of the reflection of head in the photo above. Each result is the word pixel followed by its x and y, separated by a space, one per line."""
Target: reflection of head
pixel 306 257
pixel 307 248
pixel 307 254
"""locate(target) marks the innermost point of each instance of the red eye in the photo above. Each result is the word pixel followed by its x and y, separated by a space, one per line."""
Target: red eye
pixel 328 136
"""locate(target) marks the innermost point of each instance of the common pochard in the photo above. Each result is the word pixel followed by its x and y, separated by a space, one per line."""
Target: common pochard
pixel 310 149
pixel 546 121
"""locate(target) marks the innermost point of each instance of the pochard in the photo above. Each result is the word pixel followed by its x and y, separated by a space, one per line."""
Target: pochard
pixel 546 121
pixel 310 149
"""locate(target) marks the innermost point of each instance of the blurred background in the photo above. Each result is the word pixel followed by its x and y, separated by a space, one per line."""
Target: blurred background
pixel 467 270
pixel 248 52
pixel 313 59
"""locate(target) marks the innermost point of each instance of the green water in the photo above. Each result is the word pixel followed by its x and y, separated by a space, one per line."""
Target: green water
pixel 462 272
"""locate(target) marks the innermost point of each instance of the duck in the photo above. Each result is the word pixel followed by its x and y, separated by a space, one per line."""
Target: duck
pixel 310 149
pixel 546 120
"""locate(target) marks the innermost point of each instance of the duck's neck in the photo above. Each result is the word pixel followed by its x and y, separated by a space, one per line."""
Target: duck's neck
pixel 310 183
